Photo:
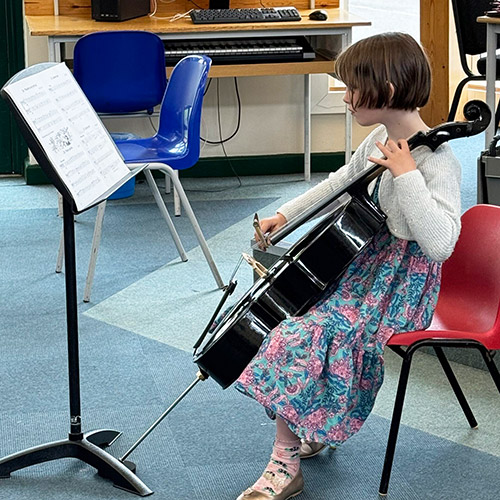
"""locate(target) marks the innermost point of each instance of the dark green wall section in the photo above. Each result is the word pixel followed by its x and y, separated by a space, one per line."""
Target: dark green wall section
pixel 240 165
pixel 13 151
pixel 263 165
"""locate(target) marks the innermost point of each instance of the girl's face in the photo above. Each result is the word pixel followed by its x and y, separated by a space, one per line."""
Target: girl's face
pixel 364 116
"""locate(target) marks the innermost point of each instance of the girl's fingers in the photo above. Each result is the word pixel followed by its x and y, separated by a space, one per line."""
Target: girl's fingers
pixel 378 161
pixel 403 145
pixel 386 149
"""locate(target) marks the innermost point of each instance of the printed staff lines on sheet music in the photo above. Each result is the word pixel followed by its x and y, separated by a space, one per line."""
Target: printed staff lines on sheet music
pixel 54 87
pixel 82 179
pixel 46 121
pixel 92 150
pixel 33 108
pixel 66 96
pixel 85 167
pixel 27 99
pixel 49 114
pixel 75 119
pixel 100 159
pixel 78 162
pixel 91 140
pixel 89 187
pixel 113 168
pixel 47 125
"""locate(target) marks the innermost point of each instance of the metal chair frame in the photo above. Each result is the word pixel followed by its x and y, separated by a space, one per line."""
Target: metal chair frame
pixel 467 316
pixel 407 357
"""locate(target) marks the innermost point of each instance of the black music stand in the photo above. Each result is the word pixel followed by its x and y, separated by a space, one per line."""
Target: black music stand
pixel 88 446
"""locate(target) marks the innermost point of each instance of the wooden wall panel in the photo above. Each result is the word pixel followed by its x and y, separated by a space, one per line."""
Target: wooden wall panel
pixel 434 28
pixel 39 7
pixel 82 8
pixel 77 8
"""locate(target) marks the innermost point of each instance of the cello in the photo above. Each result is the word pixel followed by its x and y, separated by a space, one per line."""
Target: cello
pixel 302 275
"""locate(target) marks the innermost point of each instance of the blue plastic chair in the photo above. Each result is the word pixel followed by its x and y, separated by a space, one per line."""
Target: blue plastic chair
pixel 176 145
pixel 121 71
pixel 177 142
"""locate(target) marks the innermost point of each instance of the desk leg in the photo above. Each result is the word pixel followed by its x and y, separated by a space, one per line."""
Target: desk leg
pixel 491 45
pixel 54 50
pixel 307 127
pixel 346 41
pixel 348 136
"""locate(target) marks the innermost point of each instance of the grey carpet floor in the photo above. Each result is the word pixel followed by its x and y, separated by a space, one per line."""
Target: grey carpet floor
pixel 146 311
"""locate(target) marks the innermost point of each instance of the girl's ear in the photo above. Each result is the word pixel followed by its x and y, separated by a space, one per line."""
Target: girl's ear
pixel 392 91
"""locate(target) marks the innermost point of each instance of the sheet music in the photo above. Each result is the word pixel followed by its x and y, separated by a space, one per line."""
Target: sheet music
pixel 70 132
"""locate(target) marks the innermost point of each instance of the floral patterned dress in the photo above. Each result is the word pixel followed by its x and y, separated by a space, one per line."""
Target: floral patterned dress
pixel 321 372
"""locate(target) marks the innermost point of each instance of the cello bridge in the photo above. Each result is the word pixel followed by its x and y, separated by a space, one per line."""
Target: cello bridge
pixel 256 265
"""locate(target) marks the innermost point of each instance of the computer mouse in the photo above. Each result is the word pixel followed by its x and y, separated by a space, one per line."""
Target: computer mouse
pixel 318 15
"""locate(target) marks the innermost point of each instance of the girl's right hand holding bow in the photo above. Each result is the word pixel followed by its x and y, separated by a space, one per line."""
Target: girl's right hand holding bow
pixel 269 225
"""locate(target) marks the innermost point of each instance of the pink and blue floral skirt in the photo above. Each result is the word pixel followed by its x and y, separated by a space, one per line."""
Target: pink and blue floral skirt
pixel 321 372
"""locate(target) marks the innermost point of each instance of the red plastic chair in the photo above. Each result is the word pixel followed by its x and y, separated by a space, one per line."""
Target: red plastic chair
pixel 467 314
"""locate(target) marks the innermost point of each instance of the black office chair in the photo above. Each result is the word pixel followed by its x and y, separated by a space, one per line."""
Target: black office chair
pixel 471 37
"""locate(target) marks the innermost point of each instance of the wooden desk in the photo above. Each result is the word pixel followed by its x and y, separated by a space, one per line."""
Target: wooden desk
pixel 492 30
pixel 331 36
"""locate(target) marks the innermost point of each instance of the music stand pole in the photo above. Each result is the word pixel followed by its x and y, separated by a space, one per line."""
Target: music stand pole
pixel 72 322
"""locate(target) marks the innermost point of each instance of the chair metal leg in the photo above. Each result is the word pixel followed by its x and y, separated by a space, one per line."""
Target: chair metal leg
pixel 96 241
pixel 194 222
pixel 167 184
pixel 455 386
pixel 395 422
pixel 492 367
pixel 177 201
pixel 59 205
pixel 161 205
pixel 60 253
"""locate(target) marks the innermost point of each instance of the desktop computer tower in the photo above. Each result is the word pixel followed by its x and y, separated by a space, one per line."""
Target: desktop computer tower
pixel 119 10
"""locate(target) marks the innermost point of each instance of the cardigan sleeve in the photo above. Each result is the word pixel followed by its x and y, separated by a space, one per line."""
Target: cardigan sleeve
pixel 429 199
pixel 335 180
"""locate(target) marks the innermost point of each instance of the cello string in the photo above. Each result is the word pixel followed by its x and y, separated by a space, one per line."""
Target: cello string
pixel 238 265
pixel 228 290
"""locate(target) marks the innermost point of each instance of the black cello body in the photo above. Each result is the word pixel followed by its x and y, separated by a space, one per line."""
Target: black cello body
pixel 314 263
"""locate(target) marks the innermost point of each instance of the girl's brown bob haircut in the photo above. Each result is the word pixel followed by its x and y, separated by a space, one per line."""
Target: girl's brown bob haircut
pixel 371 64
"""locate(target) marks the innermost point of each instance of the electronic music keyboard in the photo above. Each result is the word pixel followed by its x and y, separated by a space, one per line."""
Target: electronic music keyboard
pixel 241 50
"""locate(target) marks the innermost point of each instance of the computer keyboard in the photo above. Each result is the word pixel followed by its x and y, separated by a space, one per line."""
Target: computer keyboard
pixel 257 15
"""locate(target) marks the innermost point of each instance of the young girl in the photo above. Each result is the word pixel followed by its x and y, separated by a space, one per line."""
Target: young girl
pixel 320 373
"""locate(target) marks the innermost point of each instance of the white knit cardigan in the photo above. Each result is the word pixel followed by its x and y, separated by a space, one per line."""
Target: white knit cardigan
pixel 422 205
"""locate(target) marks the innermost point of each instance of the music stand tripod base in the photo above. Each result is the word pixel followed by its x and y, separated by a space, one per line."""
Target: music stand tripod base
pixel 86 449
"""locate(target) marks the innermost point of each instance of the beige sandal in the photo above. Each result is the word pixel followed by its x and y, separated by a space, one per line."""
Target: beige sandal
pixel 309 449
